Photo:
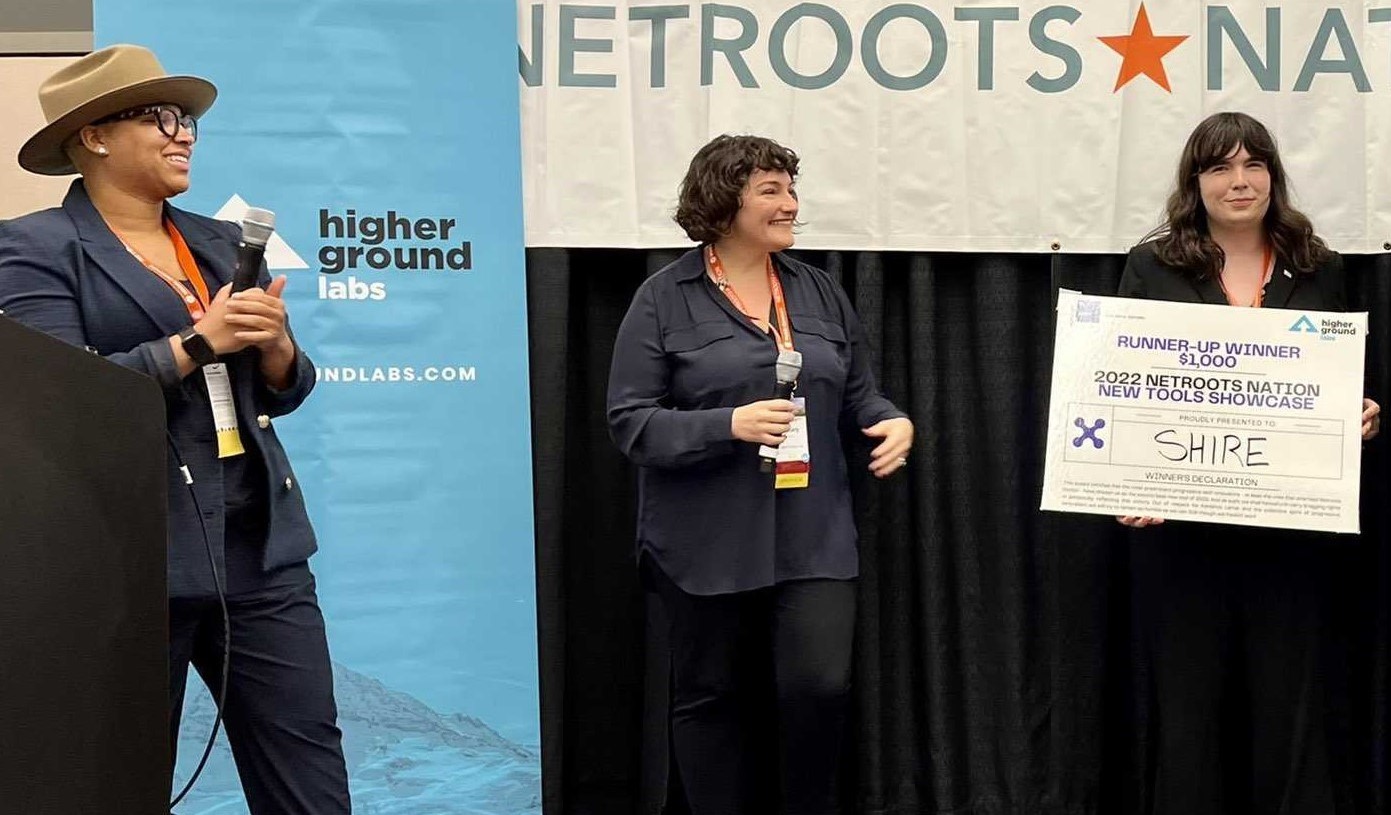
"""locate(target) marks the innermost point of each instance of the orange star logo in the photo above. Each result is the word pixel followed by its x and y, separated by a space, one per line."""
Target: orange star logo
pixel 1142 52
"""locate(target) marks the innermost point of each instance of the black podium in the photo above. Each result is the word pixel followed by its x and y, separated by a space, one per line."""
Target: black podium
pixel 83 616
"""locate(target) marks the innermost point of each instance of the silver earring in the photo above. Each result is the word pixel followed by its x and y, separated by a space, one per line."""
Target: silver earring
pixel 101 151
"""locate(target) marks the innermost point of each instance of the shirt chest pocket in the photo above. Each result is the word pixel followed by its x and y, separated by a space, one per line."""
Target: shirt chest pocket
pixel 825 349
pixel 705 364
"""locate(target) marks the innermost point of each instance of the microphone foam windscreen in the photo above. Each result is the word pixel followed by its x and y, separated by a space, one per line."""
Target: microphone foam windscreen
pixel 789 364
pixel 257 225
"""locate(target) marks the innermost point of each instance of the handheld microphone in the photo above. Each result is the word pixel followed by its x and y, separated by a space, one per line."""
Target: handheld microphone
pixel 257 225
pixel 787 367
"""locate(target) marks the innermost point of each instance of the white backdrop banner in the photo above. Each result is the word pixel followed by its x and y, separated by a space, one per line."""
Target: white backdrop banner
pixel 957 126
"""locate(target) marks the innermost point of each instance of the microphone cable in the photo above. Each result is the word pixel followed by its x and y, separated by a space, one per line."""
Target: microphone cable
pixel 226 628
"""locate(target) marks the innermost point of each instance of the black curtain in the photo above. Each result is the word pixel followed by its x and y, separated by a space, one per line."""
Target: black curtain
pixel 995 669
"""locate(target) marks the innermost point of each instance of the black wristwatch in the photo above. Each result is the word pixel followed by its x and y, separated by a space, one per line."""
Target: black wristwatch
pixel 197 346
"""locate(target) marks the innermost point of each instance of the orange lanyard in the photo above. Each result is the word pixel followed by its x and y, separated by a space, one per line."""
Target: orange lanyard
pixel 782 332
pixel 194 300
pixel 1267 263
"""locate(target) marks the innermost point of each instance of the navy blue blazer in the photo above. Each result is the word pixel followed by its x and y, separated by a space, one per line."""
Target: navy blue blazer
pixel 683 360
pixel 64 272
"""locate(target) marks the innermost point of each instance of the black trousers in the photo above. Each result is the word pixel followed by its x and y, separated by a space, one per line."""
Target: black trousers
pixel 760 684
pixel 280 716
pixel 1245 668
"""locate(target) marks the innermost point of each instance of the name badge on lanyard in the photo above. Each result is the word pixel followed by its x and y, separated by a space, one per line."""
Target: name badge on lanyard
pixel 215 376
pixel 793 467
pixel 224 409
pixel 793 457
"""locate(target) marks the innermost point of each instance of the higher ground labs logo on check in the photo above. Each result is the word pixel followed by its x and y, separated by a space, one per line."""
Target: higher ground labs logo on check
pixel 1329 328
pixel 1304 325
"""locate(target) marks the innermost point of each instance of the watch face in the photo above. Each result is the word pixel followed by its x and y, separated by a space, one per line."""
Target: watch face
pixel 197 347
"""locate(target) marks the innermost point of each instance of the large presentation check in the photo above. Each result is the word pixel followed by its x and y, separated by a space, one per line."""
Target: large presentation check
pixel 1206 413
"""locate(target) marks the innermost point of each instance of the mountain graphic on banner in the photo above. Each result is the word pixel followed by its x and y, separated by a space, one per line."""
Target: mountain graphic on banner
pixel 279 255
pixel 404 757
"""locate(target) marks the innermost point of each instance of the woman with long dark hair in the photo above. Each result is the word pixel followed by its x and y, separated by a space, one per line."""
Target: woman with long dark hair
pixel 1234 622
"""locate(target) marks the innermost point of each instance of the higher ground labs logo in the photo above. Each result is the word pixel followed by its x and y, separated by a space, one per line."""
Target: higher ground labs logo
pixel 354 242
pixel 373 244
pixel 1304 325
pixel 1328 328
pixel 1332 328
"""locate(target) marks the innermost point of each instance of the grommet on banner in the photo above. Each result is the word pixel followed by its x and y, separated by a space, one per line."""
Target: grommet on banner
pixel 1055 246
pixel 1386 246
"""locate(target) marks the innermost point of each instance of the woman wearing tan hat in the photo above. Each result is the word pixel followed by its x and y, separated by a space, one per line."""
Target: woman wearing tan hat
pixel 118 270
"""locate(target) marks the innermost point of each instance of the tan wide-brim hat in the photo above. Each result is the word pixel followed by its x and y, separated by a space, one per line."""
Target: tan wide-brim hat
pixel 102 83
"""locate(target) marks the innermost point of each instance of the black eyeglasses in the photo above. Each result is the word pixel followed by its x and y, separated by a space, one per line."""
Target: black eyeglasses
pixel 168 117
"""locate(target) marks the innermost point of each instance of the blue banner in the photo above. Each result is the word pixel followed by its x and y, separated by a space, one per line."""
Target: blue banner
pixel 385 136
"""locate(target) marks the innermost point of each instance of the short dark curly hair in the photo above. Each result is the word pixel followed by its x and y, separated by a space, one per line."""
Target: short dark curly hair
pixel 708 198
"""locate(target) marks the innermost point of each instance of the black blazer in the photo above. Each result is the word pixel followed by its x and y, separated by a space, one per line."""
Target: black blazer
pixel 62 271
pixel 1322 290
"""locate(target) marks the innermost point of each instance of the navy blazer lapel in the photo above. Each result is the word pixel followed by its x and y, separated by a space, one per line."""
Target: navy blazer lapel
pixel 110 256
pixel 209 249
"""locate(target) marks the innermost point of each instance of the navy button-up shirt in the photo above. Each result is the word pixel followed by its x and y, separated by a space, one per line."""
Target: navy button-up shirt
pixel 683 360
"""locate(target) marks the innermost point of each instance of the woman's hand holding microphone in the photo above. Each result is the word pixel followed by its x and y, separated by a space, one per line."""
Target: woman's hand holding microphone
pixel 767 422
pixel 763 422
